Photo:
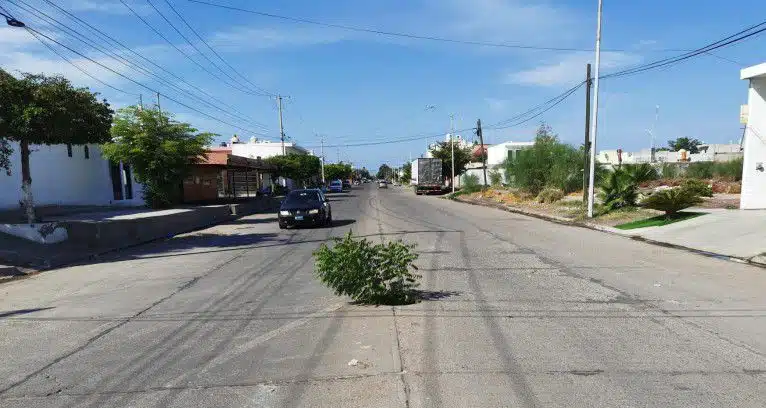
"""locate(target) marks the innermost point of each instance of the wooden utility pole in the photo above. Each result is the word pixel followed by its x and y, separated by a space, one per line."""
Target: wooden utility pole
pixel 586 164
pixel 281 128
pixel 483 154
pixel 159 109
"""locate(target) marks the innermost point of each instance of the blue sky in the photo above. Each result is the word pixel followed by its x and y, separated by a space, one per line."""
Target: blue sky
pixel 355 87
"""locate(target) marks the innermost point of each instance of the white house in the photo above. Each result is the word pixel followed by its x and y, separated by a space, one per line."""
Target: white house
pixel 262 149
pixel 496 154
pixel 753 172
pixel 707 152
pixel 70 175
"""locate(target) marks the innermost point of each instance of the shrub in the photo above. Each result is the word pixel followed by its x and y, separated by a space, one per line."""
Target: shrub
pixel 549 163
pixel 641 173
pixel 495 178
pixel 669 170
pixel 368 273
pixel 698 187
pixel 471 183
pixel 700 170
pixel 672 200
pixel 618 190
pixel 731 170
pixel 550 195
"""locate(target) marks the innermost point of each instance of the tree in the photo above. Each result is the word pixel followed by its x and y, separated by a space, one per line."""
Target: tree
pixel 300 168
pixel 160 150
pixel 443 151
pixel 37 109
pixel 406 176
pixel 337 171
pixel 690 145
pixel 364 173
pixel 384 171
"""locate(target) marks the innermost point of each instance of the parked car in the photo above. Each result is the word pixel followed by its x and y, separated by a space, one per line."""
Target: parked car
pixel 336 186
pixel 305 207
pixel 382 184
pixel 346 185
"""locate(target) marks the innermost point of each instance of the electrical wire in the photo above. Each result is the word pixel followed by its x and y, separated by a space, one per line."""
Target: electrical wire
pixel 185 38
pixel 75 65
pixel 107 38
pixel 189 26
pixel 184 53
pixel 732 39
pixel 553 105
pixel 404 35
pixel 141 84
pixel 135 67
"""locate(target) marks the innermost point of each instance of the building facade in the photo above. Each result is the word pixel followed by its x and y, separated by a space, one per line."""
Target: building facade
pixel 70 175
pixel 754 166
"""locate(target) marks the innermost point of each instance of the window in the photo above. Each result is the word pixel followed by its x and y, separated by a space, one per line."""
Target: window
pixel 86 150
pixel 69 150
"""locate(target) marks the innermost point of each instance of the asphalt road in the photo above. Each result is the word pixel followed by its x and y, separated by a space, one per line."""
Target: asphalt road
pixel 520 313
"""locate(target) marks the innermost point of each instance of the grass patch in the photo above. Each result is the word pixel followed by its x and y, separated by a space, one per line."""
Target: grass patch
pixel 659 220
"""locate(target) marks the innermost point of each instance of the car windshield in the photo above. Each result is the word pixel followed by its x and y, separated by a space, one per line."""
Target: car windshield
pixel 335 183
pixel 302 197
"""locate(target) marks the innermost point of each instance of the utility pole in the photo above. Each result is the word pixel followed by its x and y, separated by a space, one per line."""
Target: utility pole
pixel 322 142
pixel 281 128
pixel 158 106
pixel 586 160
pixel 654 128
pixel 483 155
pixel 141 101
pixel 452 146
pixel 594 122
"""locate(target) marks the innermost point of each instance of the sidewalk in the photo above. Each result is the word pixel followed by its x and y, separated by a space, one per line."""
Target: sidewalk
pixel 92 233
pixel 733 233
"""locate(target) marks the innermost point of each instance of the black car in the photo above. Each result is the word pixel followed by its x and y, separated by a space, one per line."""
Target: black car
pixel 305 207
pixel 346 185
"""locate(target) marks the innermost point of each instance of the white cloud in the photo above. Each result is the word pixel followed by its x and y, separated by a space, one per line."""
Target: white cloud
pixel 570 69
pixel 243 38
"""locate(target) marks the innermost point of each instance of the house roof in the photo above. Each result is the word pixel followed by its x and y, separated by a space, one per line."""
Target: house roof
pixel 756 71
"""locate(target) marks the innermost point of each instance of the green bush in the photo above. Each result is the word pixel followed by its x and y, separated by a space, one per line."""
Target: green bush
pixel 495 178
pixel 618 190
pixel 731 170
pixel 698 187
pixel 671 201
pixel 550 195
pixel 368 273
pixel 669 170
pixel 641 172
pixel 471 184
pixel 700 170
pixel 549 163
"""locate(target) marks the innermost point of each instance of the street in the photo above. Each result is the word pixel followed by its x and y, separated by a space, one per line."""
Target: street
pixel 518 312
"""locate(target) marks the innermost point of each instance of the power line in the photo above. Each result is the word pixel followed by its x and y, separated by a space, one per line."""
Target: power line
pixel 561 98
pixel 183 52
pixel 234 80
pixel 130 64
pixel 214 51
pixel 107 38
pixel 75 65
pixel 141 84
pixel 734 38
pixel 403 35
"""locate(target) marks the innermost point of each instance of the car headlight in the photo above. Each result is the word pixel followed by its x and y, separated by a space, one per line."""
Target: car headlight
pixel 313 211
pixel 284 212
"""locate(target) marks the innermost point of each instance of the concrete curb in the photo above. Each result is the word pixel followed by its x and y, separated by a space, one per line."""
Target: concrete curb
pixel 758 260
pixel 61 261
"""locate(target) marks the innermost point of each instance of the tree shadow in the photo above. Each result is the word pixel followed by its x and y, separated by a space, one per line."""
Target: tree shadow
pixel 408 298
pixel 242 221
pixel 342 223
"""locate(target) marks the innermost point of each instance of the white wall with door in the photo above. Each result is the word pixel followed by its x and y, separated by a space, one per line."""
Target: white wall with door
pixel 69 175
pixel 754 166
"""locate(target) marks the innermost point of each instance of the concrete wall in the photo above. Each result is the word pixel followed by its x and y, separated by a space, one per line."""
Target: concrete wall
pixel 496 154
pixel 753 179
pixel 264 149
pixel 58 179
